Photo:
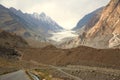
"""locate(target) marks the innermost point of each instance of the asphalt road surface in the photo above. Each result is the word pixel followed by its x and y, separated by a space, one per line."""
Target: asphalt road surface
pixel 18 75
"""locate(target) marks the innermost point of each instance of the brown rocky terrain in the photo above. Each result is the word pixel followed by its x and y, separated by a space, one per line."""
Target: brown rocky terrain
pixel 9 55
pixel 8 43
pixel 10 40
pixel 8 23
pixel 78 63
pixel 77 56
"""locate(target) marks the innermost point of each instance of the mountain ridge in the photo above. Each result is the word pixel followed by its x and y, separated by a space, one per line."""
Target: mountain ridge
pixel 107 26
pixel 105 33
pixel 111 9
pixel 86 19
pixel 38 20
pixel 27 25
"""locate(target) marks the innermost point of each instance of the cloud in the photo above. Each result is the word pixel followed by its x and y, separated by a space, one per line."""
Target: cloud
pixel 66 12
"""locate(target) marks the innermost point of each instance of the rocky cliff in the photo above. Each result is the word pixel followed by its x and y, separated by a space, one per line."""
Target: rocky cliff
pixel 106 32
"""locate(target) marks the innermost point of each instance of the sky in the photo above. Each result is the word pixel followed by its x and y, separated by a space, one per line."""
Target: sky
pixel 65 12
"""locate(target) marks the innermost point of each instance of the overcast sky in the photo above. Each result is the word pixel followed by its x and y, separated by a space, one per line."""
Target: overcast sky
pixel 65 12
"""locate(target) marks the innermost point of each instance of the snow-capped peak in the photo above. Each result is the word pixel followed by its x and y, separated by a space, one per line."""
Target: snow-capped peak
pixel 59 36
pixel 41 21
pixel 43 14
pixel 35 15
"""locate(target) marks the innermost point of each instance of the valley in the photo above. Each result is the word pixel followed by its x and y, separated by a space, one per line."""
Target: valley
pixel 33 46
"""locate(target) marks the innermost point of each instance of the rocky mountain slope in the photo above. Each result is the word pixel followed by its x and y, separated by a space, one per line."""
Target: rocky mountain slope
pixel 38 22
pixel 88 21
pixel 35 28
pixel 8 43
pixel 106 32
pixel 8 23
pixel 85 24
pixel 9 40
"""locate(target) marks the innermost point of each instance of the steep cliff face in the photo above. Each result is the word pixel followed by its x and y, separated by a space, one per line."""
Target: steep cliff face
pixel 86 23
pixel 109 22
pixel 105 33
pixel 8 23
pixel 77 56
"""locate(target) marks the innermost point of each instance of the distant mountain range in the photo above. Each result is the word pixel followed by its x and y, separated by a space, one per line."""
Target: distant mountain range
pixel 32 27
pixel 25 45
pixel 98 29
pixel 36 21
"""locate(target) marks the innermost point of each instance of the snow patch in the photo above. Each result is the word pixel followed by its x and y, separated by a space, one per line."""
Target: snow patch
pixel 59 36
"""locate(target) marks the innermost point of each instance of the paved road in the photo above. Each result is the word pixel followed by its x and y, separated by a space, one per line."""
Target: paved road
pixel 18 75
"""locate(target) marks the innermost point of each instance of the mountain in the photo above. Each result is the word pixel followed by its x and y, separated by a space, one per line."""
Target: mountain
pixel 13 24
pixel 9 40
pixel 32 27
pixel 8 23
pixel 88 21
pixel 40 22
pixel 106 32
pixel 8 43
